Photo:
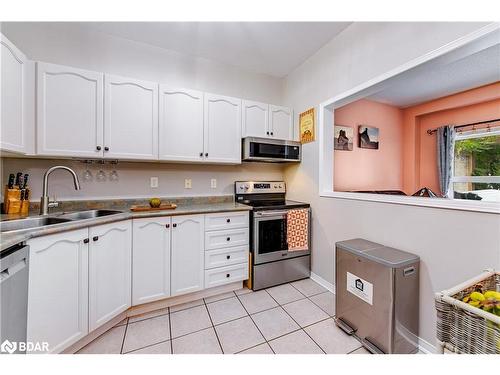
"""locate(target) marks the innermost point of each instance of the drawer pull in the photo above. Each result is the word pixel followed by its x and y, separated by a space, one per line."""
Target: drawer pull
pixel 228 220
pixel 228 256
pixel 228 239
pixel 228 275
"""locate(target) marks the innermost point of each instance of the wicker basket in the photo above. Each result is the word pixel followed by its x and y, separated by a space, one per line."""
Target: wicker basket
pixel 462 328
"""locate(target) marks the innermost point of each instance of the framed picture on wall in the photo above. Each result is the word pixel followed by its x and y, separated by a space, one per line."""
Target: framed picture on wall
pixel 368 137
pixel 343 138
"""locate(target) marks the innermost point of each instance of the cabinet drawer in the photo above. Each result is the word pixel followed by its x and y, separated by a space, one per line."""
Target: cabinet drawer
pixel 226 220
pixel 226 238
pixel 226 257
pixel 226 275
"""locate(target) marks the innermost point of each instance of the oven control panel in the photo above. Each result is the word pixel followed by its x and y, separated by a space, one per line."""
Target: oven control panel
pixel 256 187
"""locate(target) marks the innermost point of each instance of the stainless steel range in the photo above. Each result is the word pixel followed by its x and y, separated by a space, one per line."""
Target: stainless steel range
pixel 273 262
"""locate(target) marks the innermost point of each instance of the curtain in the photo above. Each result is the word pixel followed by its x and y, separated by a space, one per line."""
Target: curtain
pixel 445 153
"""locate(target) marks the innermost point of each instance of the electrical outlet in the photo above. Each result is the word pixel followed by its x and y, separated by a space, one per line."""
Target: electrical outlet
pixel 154 182
pixel 187 183
pixel 213 183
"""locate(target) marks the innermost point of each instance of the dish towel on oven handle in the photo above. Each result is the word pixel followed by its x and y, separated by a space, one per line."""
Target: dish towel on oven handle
pixel 297 229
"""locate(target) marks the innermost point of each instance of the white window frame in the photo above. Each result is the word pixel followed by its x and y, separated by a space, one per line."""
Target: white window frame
pixel 481 179
pixel 326 130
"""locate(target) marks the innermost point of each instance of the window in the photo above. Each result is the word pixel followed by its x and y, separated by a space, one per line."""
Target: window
pixel 476 173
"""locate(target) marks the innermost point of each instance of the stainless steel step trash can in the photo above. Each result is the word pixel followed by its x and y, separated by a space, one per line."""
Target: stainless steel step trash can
pixel 377 294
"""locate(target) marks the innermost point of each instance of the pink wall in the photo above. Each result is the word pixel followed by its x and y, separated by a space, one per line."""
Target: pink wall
pixel 419 152
pixel 364 169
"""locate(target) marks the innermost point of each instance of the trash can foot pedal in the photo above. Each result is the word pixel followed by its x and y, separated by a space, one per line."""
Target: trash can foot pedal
pixel 371 347
pixel 344 326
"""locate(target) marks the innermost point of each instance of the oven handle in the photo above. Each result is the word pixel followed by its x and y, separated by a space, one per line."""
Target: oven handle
pixel 270 213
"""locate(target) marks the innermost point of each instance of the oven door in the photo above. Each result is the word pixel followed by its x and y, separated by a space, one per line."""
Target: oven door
pixel 270 237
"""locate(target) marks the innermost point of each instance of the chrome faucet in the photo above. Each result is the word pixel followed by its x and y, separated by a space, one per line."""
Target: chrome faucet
pixel 45 202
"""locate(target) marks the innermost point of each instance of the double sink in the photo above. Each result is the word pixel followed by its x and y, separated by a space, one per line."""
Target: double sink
pixel 38 222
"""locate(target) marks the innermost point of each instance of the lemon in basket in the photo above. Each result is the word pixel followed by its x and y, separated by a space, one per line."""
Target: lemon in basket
pixel 477 297
pixel 493 294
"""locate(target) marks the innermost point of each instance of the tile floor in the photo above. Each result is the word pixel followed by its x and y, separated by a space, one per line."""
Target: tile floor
pixel 286 319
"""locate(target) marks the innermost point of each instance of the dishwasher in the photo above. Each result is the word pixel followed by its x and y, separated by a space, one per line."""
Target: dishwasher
pixel 14 265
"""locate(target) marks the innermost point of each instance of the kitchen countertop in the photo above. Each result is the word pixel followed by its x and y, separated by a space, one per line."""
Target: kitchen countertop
pixel 10 239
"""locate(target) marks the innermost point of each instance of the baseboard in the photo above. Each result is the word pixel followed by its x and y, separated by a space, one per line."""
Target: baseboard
pixel 426 347
pixel 423 345
pixel 323 282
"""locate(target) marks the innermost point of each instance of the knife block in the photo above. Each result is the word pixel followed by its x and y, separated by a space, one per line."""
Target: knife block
pixel 12 203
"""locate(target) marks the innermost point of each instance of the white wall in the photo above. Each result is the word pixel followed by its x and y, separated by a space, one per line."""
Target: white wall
pixel 65 44
pixel 134 178
pixel 453 245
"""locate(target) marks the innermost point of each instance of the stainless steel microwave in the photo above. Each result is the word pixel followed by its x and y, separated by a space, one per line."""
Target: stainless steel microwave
pixel 270 150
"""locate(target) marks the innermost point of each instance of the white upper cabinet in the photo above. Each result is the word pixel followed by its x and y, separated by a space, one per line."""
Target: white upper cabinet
pixel 281 122
pixel 130 118
pixel 151 259
pixel 58 289
pixel 255 119
pixel 222 129
pixel 69 111
pixel 13 79
pixel 110 268
pixel 181 125
pixel 187 267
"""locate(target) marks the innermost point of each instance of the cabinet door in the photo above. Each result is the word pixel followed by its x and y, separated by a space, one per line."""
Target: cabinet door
pixel 281 122
pixel 255 119
pixel 130 118
pixel 13 76
pixel 187 254
pixel 69 111
pixel 150 259
pixel 110 270
pixel 181 124
pixel 58 289
pixel 222 129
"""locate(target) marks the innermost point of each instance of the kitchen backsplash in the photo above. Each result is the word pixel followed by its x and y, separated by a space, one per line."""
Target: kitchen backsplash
pixel 132 180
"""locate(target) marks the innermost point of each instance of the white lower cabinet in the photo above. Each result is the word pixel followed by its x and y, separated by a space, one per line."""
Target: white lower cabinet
pixel 151 259
pixel 81 279
pixel 110 271
pixel 225 275
pixel 227 248
pixel 58 289
pixel 187 254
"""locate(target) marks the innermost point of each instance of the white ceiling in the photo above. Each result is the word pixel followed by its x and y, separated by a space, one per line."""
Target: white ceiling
pixel 273 48
pixel 465 73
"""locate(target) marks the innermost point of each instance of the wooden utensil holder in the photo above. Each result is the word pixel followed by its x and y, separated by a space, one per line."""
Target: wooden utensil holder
pixel 12 202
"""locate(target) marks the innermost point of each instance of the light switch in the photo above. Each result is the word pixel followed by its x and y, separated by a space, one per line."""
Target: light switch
pixel 187 183
pixel 213 183
pixel 154 182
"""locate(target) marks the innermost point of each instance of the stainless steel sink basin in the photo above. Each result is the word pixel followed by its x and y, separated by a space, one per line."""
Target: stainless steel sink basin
pixel 91 214
pixel 29 223
pixel 44 221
